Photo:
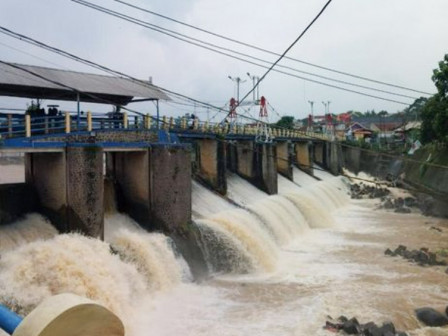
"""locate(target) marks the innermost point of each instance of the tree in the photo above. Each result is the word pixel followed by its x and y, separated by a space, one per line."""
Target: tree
pixel 286 122
pixel 440 78
pixel 435 112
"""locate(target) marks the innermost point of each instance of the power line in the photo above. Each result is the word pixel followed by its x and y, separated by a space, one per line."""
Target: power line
pixel 268 51
pixel 134 111
pixel 287 49
pixel 211 47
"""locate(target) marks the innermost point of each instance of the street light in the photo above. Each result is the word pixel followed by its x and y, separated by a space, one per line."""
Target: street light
pixel 238 80
pixel 312 114
pixel 325 104
pixel 255 79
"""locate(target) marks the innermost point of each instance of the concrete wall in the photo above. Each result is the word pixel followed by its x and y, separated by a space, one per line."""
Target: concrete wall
pixel 284 164
pixel 212 164
pixel 69 187
pixel 303 157
pixel 154 186
pixel 131 175
pixel 351 157
pixel 46 173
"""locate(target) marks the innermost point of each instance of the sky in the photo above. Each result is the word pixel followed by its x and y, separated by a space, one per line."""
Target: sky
pixel 398 42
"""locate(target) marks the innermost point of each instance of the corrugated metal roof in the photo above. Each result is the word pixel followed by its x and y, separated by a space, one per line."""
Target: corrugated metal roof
pixel 16 82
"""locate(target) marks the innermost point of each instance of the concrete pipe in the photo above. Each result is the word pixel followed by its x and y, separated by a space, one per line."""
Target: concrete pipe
pixel 69 315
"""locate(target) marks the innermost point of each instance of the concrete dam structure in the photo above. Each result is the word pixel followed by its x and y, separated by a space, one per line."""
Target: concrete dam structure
pixel 196 233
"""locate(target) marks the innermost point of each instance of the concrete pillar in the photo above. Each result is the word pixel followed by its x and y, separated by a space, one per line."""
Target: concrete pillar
pixel 69 187
pixel 170 187
pixel 319 153
pixel 85 190
pixel 245 159
pixel 232 156
pixel 303 157
pixel 258 164
pixel 335 158
pixel 284 164
pixel 266 168
pixel 212 164
pixel 351 158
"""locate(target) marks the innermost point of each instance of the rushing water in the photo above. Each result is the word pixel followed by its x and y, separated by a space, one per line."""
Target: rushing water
pixel 280 264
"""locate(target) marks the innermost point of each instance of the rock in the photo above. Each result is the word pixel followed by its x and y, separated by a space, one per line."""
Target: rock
pixel 371 329
pixel 399 202
pixel 400 250
pixel 351 327
pixel 389 252
pixel 446 271
pixel 435 228
pixel 431 317
pixel 402 210
pixel 342 319
pixel 401 333
pixel 410 202
pixel 388 327
pixel 388 204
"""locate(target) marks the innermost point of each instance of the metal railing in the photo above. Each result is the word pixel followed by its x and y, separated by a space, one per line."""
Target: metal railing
pixel 19 125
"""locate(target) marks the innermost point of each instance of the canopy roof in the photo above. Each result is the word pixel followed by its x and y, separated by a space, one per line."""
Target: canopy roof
pixel 29 81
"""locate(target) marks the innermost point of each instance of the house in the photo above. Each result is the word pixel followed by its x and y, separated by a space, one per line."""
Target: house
pixel 358 131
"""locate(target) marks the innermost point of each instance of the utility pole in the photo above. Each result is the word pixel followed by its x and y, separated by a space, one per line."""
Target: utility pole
pixel 255 79
pixel 325 108
pixel 312 115
pixel 238 81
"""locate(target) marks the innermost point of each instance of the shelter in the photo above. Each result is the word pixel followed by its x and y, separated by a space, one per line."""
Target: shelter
pixel 29 81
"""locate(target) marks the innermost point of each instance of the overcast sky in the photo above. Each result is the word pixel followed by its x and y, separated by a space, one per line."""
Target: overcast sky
pixel 399 42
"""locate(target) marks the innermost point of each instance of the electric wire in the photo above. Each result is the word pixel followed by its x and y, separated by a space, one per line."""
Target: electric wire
pixel 101 67
pixel 211 47
pixel 265 50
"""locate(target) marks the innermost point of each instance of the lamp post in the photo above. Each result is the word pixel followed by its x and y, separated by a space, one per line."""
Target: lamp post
pixel 255 79
pixel 238 81
pixel 312 110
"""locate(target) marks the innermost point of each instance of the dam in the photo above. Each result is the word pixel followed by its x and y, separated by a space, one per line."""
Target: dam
pixel 196 228
pixel 269 253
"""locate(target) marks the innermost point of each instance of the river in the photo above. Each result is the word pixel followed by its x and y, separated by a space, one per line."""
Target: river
pixel 280 267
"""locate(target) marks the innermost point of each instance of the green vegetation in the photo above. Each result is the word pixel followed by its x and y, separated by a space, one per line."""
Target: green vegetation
pixel 286 122
pixel 434 113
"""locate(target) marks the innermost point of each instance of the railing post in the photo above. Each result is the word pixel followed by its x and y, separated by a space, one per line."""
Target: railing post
pixel 89 121
pixel 10 124
pixel 67 122
pixel 164 123
pixel 46 125
pixel 171 122
pixel 206 126
pixel 147 121
pixel 195 123
pixel 125 120
pixel 27 125
pixel 183 123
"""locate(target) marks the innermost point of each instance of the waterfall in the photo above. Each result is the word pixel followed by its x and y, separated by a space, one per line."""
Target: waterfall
pixel 153 254
pixel 31 228
pixel 249 239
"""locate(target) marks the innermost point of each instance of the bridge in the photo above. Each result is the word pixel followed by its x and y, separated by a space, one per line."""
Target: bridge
pixel 150 160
